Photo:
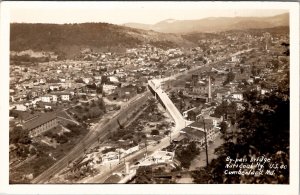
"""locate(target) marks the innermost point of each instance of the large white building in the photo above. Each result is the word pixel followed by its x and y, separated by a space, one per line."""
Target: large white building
pixel 238 96
pixel 65 97
pixel 46 98
pixel 109 89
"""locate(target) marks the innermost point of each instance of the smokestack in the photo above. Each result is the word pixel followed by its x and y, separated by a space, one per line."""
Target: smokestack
pixel 209 89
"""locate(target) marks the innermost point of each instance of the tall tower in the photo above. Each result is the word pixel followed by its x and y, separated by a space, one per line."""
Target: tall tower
pixel 209 89
pixel 267 37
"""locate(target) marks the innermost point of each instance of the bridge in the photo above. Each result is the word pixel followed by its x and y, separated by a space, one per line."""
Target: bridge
pixel 155 88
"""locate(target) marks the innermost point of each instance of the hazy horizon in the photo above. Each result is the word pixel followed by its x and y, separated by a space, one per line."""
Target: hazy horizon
pixel 130 12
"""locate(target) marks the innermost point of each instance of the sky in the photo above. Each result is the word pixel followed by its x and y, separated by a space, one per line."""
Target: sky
pixel 125 12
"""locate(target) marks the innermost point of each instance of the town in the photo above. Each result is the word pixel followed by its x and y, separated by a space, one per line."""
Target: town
pixel 96 119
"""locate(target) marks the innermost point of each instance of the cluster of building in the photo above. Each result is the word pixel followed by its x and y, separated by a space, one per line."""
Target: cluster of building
pixel 43 89
pixel 252 71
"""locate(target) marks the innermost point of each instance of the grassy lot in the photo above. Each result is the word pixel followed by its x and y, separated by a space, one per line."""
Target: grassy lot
pixel 91 110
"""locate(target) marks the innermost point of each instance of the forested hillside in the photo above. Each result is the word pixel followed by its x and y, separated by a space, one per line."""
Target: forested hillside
pixel 71 38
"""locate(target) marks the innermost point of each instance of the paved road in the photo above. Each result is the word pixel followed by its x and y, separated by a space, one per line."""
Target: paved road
pixel 180 122
pixel 100 131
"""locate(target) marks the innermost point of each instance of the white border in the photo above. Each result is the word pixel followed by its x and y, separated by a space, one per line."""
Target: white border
pixel 292 188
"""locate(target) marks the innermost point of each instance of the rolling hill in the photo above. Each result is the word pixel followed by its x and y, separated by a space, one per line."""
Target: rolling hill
pixel 71 38
pixel 214 24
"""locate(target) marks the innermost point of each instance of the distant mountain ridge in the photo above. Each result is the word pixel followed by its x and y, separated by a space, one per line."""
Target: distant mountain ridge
pixel 214 24
pixel 68 40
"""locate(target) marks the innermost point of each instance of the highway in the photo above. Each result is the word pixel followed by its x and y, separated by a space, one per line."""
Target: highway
pixel 100 131
pixel 170 107
pixel 180 123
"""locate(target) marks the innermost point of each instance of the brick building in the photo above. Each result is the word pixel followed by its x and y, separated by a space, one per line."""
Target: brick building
pixel 38 124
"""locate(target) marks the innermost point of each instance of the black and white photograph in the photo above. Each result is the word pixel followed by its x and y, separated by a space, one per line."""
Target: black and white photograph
pixel 128 93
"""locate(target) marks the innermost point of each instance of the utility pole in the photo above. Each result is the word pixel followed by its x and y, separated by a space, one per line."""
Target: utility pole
pixel 205 142
pixel 146 147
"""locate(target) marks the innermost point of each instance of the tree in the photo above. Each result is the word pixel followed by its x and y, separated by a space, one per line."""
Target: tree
pixel 232 121
pixel 19 135
pixel 230 77
pixel 287 46
pixel 187 154
pixel 242 70
pixel 93 104
pixel 262 132
pixel 101 105
pixel 275 64
pixel 192 115
pixel 201 176
pixel 80 80
pixel 92 86
pixel 13 114
pixel 143 175
pixel 221 110
pixel 99 89
pixel 104 79
pixel 223 127
pixel 154 132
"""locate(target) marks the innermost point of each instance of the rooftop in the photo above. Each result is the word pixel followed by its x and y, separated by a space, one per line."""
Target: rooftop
pixel 39 120
pixel 200 124
pixel 190 132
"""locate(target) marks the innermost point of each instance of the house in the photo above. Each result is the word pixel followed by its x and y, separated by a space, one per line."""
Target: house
pixel 272 86
pixel 221 93
pixel 237 95
pixel 196 131
pixel 110 157
pixel 46 98
pixel 264 91
pixel 113 79
pixel 54 98
pixel 20 107
pixel 87 80
pixel 39 124
pixel 65 97
pixel 109 89
pixel 36 92
pixel 54 87
pixel 48 107
pixel 200 88
pixel 194 135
